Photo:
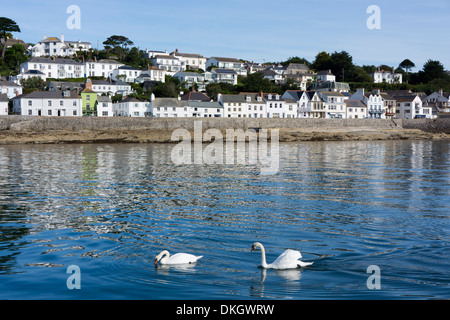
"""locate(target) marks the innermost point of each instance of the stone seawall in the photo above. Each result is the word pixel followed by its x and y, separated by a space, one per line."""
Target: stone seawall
pixel 32 129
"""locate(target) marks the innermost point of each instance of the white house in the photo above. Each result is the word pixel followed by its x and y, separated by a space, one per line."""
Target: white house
pixel 52 46
pixel 101 68
pixel 111 88
pixel 235 105
pixel 303 101
pixel 57 68
pixel 333 103
pixel 256 104
pixel 191 78
pixel 277 107
pixel 227 63
pixel 168 63
pixel 132 107
pixel 3 104
pixel 104 107
pixel 126 73
pixel 152 73
pixel 374 101
pixel 48 103
pixel 356 109
pixel 325 76
pixel 31 74
pixel 9 88
pixel 375 105
pixel 206 109
pixel 191 61
pixel 224 75
pixel 273 76
pixel 387 76
pixel 409 106
pixel 170 107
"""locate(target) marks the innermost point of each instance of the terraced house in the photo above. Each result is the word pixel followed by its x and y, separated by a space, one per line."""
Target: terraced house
pixel 89 100
pixel 48 103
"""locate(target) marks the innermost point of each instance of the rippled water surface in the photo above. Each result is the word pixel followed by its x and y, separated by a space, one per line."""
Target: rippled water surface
pixel 110 209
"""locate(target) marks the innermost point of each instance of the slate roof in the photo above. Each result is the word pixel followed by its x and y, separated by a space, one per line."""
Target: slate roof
pixel 50 60
pixel 169 102
pixel 227 59
pixel 51 95
pixel 355 104
pixel 224 71
pixel 8 83
pixel 205 104
pixel 195 96
pixel 131 99
pixel 127 68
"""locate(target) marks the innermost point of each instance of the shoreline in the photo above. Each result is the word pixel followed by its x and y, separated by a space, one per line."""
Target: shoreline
pixel 163 136
pixel 54 130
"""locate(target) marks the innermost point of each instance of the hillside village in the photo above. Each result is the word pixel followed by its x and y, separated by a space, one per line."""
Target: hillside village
pixel 318 94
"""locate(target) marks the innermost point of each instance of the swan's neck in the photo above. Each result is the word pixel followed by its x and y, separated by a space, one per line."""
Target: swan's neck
pixel 263 257
pixel 165 256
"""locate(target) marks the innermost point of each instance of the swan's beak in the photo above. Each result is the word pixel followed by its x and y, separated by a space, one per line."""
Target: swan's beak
pixel 156 263
pixel 253 248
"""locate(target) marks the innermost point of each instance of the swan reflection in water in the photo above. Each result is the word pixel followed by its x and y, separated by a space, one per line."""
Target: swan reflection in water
pixel 165 269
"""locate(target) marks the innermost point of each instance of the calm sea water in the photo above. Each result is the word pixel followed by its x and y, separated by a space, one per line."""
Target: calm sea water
pixel 110 209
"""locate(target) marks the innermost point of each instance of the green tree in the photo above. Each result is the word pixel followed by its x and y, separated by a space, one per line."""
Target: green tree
pixel 296 60
pixel 6 27
pixel 341 65
pixel 32 84
pixel 407 65
pixel 322 61
pixel 117 45
pixel 361 75
pixel 432 69
pixel 256 82
pixel 212 89
pixel 14 56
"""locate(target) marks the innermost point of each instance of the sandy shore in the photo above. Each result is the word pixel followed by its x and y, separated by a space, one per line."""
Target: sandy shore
pixel 164 136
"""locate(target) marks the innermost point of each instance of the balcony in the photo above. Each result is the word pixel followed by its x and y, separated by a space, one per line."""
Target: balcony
pixel 376 111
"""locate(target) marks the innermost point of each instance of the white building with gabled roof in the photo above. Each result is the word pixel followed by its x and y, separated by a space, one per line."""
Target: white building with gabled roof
pixel 53 46
pixel 227 63
pixel 132 107
pixel 48 103
pixel 57 68
pixel 191 61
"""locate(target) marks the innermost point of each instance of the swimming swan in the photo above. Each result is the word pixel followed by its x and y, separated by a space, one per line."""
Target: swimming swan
pixel 178 258
pixel 287 260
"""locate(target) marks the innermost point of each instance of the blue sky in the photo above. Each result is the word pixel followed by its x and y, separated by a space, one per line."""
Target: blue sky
pixel 256 30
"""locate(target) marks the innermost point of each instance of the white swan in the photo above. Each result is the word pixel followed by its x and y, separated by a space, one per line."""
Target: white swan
pixel 178 258
pixel 287 260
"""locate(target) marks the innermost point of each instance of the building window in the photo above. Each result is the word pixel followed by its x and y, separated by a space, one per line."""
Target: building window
pixel 30 103
pixel 74 112
pixel 49 112
pixel 49 103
